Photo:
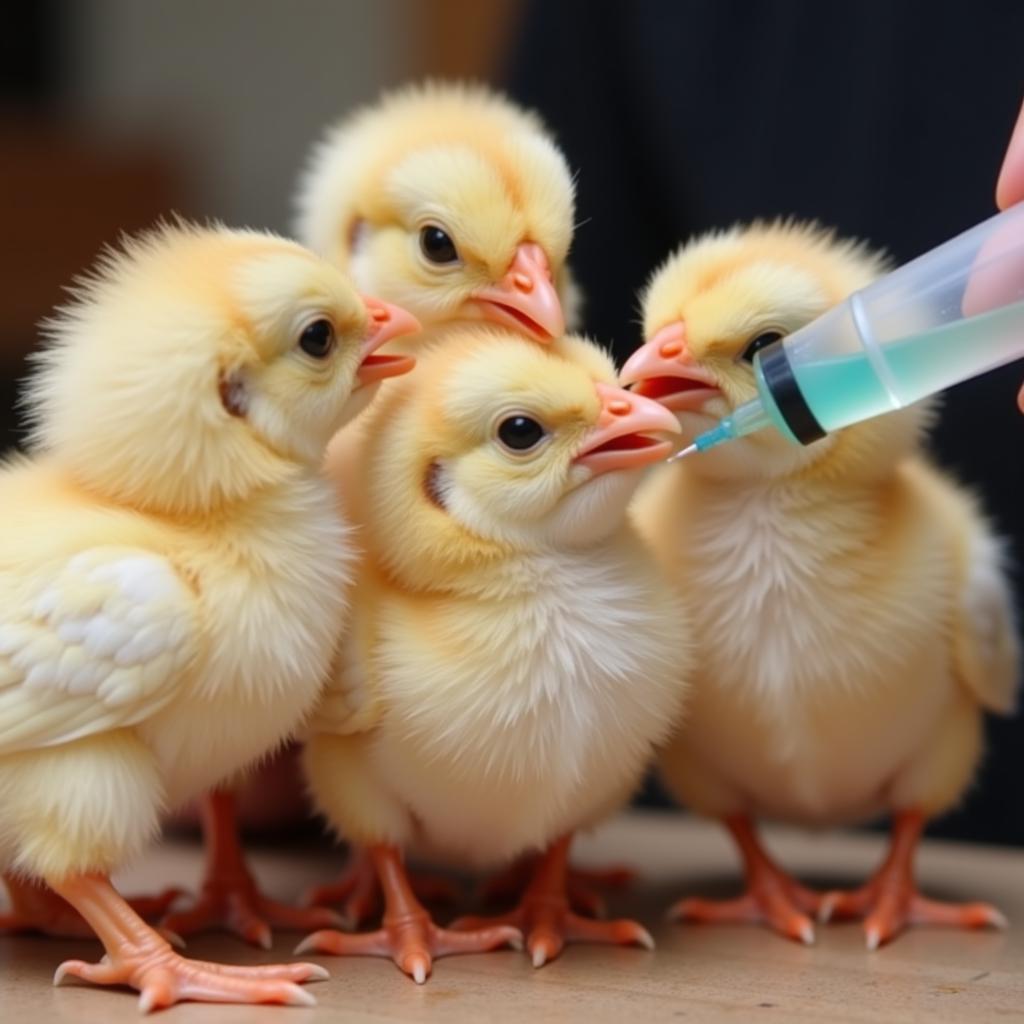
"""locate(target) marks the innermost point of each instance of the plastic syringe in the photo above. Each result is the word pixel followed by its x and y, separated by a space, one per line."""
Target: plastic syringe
pixel 949 315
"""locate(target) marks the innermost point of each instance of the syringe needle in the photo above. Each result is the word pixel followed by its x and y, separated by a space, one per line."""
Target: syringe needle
pixel 682 453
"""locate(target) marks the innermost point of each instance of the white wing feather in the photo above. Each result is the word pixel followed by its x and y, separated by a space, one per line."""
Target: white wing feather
pixel 101 643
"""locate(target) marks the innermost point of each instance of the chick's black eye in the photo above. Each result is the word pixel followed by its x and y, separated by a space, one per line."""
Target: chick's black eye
pixel 758 343
pixel 317 339
pixel 437 245
pixel 520 433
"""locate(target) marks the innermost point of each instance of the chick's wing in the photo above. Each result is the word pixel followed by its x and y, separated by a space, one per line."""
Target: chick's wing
pixel 351 701
pixel 98 642
pixel 988 651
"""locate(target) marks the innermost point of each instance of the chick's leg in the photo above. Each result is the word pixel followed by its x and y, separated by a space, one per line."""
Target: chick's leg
pixel 230 898
pixel 358 891
pixel 582 884
pixel 138 956
pixel 37 908
pixel 88 804
pixel 546 919
pixel 772 897
pixel 890 902
pixel 408 935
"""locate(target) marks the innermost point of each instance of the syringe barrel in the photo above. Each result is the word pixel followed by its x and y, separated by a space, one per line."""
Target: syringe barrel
pixel 945 317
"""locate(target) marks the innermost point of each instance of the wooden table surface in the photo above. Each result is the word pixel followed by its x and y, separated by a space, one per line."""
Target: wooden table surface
pixel 697 973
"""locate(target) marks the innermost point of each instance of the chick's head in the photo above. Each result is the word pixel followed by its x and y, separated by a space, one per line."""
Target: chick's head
pixel 505 447
pixel 197 364
pixel 719 299
pixel 450 201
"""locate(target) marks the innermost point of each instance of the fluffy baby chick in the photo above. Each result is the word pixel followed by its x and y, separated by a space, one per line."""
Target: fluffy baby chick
pixel 458 204
pixel 451 201
pixel 852 616
pixel 487 701
pixel 173 566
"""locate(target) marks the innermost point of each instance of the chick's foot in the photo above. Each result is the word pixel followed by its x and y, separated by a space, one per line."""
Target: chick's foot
pixel 889 902
pixel 140 958
pixel 772 897
pixel 37 908
pixel 235 904
pixel 583 885
pixel 358 891
pixel 230 899
pixel 408 935
pixel 545 917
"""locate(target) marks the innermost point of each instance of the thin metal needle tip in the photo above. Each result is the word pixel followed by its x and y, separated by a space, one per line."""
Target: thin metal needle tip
pixel 689 450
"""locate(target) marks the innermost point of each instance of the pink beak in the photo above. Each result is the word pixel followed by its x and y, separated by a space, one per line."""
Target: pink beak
pixel 525 298
pixel 620 439
pixel 664 370
pixel 386 322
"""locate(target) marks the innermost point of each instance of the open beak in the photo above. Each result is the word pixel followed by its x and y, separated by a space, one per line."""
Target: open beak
pixel 621 439
pixel 386 322
pixel 525 298
pixel 664 370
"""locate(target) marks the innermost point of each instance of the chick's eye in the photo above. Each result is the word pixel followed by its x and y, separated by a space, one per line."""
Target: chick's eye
pixel 758 343
pixel 437 245
pixel 520 433
pixel 317 339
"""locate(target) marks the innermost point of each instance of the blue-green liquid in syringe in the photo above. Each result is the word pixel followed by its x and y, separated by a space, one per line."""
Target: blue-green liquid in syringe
pixel 846 389
pixel 841 390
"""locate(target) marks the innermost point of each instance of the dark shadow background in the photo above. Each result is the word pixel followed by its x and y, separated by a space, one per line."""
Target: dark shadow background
pixel 885 118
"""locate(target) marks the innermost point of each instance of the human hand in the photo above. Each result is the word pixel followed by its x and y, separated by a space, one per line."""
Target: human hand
pixel 1010 187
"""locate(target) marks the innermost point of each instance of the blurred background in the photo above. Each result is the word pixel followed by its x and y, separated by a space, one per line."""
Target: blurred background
pixel 885 118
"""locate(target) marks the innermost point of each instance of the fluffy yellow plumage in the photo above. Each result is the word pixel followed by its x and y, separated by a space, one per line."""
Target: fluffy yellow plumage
pixel 173 566
pixel 851 612
pixel 485 704
pixel 463 160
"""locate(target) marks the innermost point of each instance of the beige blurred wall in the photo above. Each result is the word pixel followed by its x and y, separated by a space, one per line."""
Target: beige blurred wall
pixel 207 107
pixel 234 91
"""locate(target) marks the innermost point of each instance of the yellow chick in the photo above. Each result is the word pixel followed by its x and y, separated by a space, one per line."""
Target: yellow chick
pixel 451 201
pixel 454 202
pixel 851 611
pixel 487 702
pixel 174 568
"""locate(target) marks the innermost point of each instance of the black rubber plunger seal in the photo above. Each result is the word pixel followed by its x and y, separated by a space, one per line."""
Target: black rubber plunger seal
pixel 778 376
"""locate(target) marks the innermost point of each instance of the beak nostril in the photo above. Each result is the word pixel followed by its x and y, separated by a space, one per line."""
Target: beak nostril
pixel 619 407
pixel 523 282
pixel 381 315
pixel 671 349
